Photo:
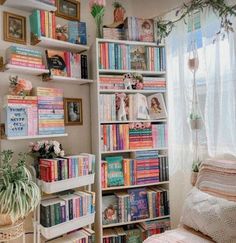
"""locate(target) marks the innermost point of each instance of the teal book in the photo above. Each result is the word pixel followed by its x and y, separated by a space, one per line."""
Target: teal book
pixel 35 24
pixel 133 236
pixel 115 171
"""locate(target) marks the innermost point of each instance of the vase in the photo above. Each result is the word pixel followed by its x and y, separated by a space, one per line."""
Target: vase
pixel 99 26
pixel 196 124
pixel 194 178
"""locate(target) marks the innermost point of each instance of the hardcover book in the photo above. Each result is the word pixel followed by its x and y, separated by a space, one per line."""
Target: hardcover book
pixel 133 236
pixel 77 32
pixel 56 62
pixel 109 209
pixel 138 204
pixel 146 30
pixel 115 171
pixel 156 106
pixel 138 57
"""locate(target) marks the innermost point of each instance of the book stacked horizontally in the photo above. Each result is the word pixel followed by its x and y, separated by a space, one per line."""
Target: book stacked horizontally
pixel 24 57
pixel 154 83
pixel 50 110
pixel 113 33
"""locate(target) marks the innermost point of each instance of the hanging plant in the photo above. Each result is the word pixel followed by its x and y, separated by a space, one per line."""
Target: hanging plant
pixel 219 7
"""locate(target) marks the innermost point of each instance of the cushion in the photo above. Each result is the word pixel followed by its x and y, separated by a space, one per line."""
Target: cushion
pixel 213 216
pixel 179 235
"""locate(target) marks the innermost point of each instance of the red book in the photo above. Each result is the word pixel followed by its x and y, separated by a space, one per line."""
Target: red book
pixel 53 26
pixel 42 24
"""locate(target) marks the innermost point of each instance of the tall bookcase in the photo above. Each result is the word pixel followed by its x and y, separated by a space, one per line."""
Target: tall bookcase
pixel 96 93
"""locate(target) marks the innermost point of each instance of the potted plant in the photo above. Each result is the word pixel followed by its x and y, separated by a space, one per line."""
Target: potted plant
pixel 19 195
pixel 195 169
pixel 119 12
pixel 196 122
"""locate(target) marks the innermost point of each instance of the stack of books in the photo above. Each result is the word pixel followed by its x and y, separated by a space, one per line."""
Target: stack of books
pixel 114 235
pixel 107 107
pixel 114 33
pixel 153 83
pixel 111 82
pixel 43 23
pixel 131 57
pixel 66 207
pixel 159 135
pixel 114 137
pixel 51 110
pixel 65 168
pixel 21 56
pixel 138 29
pixel 21 115
pixel 140 136
pixel 155 227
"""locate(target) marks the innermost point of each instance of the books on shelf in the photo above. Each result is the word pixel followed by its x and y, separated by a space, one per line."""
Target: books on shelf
pixel 50 110
pixel 164 168
pixel 43 23
pixel 114 235
pixel 115 56
pixel 21 56
pixel 66 207
pixel 21 115
pixel 116 82
pixel 159 135
pixel 114 33
pixel 77 32
pixel 138 29
pixel 58 169
pixel 135 204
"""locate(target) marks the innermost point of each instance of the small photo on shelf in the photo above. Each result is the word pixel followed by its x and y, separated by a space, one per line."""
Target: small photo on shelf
pixel 73 111
pixel 156 106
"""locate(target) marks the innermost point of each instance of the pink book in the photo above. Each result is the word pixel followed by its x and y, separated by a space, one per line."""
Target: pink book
pixel 23 64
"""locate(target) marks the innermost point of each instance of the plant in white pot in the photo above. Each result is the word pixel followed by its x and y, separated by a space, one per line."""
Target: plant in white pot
pixel 19 195
pixel 195 169
pixel 196 121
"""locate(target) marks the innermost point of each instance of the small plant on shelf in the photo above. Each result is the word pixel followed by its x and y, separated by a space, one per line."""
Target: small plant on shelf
pixel 19 86
pixel 19 195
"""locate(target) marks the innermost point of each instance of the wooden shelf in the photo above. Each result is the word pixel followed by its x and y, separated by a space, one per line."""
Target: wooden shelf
pixel 134 186
pixel 69 80
pixel 143 72
pixel 63 228
pixel 137 91
pixel 9 68
pixel 131 150
pixel 37 137
pixel 28 5
pixel 50 43
pixel 133 121
pixel 134 222
pixel 57 186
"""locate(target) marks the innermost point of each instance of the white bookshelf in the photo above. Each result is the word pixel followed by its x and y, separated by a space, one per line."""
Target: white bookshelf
pixel 97 122
pixel 37 137
pixel 28 5
pixel 67 80
pixel 50 43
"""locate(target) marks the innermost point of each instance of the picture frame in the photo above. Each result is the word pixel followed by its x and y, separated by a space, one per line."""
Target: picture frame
pixel 68 9
pixel 73 108
pixel 14 28
pixel 156 106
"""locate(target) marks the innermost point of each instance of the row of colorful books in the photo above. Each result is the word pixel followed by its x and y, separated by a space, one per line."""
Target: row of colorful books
pixel 139 135
pixel 67 64
pixel 58 169
pixel 145 167
pixel 21 56
pixel 126 57
pixel 136 106
pixel 43 23
pixel 137 233
pixel 50 110
pixel 135 204
pixel 116 82
pixel 66 207
pixel 83 235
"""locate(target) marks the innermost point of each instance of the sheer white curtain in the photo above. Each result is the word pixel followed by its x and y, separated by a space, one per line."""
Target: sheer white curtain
pixel 216 79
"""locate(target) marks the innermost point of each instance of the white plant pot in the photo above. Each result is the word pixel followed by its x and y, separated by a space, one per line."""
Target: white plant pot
pixel 196 124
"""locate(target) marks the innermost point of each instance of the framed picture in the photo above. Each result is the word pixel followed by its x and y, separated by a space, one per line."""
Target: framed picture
pixel 73 111
pixel 14 28
pixel 156 106
pixel 68 9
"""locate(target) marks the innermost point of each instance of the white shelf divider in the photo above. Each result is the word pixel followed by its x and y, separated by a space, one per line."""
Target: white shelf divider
pixel 137 91
pixel 50 43
pixel 60 229
pixel 69 80
pixel 135 222
pixel 57 186
pixel 28 5
pixel 143 72
pixel 133 121
pixel 9 68
pixel 134 186
pixel 37 136
pixel 132 150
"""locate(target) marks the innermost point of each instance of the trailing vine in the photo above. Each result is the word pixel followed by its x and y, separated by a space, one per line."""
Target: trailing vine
pixel 219 7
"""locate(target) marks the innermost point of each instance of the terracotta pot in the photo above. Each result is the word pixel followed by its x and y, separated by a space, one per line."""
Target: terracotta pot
pixel 196 124
pixel 5 219
pixel 194 178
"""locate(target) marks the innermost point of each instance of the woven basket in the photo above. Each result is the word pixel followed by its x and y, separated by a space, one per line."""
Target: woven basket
pixel 12 232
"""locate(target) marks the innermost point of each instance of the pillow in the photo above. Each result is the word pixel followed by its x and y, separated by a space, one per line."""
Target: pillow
pixel 212 216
